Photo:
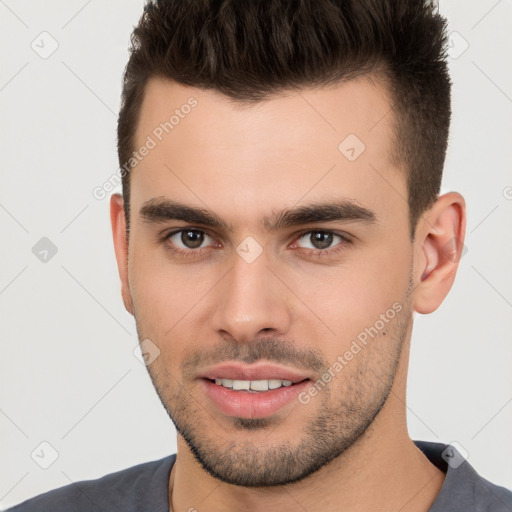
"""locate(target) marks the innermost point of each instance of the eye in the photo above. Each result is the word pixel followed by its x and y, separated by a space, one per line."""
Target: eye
pixel 191 242
pixel 321 240
pixel 188 238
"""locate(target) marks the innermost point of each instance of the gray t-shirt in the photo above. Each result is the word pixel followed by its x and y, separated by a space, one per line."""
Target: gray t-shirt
pixel 143 488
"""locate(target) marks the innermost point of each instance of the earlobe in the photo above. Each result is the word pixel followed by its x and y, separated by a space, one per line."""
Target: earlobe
pixel 117 218
pixel 439 245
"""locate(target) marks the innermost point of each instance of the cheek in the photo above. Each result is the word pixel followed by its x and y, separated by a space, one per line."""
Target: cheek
pixel 352 297
pixel 156 284
pixel 167 302
pixel 158 296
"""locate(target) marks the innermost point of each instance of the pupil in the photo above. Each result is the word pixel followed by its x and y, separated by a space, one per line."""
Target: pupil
pixel 195 238
pixel 322 240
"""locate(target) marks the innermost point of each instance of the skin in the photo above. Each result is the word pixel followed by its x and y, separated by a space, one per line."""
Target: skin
pixel 289 305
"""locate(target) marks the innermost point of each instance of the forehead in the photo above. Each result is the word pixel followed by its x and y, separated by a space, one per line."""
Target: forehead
pixel 325 113
pixel 206 148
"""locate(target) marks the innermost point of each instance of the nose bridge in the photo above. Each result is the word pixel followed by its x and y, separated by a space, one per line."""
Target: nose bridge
pixel 251 298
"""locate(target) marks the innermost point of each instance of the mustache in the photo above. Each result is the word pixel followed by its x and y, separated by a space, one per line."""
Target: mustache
pixel 264 349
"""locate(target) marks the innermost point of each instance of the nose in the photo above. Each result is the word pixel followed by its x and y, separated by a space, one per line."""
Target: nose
pixel 252 300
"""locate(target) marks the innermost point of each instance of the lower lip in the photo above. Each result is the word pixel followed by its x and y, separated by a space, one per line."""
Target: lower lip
pixel 242 404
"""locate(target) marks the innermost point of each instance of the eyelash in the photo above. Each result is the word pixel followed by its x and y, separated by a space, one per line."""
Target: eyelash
pixel 345 240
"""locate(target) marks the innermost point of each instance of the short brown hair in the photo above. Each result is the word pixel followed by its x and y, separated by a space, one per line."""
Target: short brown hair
pixel 251 49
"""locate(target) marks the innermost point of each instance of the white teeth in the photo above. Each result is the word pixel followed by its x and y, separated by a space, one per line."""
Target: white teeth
pixel 241 384
pixel 274 383
pixel 259 385
pixel 227 383
pixel 252 385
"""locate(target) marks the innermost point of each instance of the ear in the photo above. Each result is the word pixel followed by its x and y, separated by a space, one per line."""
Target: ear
pixel 118 220
pixel 439 242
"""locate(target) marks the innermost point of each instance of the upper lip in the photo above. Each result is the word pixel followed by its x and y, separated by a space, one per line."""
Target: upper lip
pixel 261 371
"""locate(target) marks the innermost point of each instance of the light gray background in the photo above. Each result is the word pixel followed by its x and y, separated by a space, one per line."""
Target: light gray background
pixel 68 373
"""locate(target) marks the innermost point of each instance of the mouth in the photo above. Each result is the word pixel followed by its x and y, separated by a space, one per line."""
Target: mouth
pixel 254 386
pixel 256 391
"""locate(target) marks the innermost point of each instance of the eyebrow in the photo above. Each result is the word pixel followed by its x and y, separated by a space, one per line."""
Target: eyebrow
pixel 161 209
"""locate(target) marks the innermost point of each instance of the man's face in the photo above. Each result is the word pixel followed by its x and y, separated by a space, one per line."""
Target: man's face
pixel 254 299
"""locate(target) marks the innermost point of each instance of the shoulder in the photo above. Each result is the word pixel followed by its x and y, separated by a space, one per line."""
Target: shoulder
pixel 477 492
pixel 463 489
pixel 137 488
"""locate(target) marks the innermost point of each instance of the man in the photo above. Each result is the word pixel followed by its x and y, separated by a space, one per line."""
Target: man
pixel 280 224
